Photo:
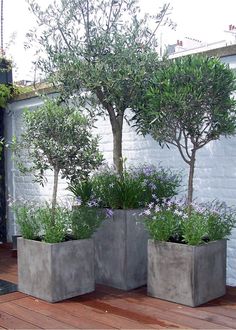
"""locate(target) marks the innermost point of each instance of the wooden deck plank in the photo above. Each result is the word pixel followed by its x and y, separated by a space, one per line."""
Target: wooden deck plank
pixel 108 308
pixel 121 305
pixel 32 317
pixel 220 317
pixel 8 277
pixel 111 319
pixel 11 297
pixel 54 311
pixel 11 322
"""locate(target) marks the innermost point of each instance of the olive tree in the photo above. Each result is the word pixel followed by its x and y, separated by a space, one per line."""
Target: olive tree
pixel 58 138
pixel 188 104
pixel 102 47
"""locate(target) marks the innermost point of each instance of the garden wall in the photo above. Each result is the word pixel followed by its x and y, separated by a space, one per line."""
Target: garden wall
pixel 215 176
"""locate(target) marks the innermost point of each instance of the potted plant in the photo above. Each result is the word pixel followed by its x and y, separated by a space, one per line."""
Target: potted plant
pixel 55 261
pixel 187 251
pixel 188 104
pixel 121 241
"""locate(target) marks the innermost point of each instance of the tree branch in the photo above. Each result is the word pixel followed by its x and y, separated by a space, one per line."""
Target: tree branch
pixel 182 154
pixel 186 144
pixel 164 11
pixel 64 38
pixel 109 17
pixel 116 14
pixel 105 104
pixel 180 147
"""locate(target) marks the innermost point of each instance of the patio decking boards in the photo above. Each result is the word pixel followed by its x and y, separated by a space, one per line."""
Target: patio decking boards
pixel 108 308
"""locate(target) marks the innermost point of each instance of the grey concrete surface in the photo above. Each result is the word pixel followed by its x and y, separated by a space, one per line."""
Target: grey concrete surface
pixel 55 272
pixel 188 275
pixel 121 251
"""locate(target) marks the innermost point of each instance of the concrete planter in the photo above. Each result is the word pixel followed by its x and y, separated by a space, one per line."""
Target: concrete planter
pixel 188 275
pixel 55 272
pixel 121 251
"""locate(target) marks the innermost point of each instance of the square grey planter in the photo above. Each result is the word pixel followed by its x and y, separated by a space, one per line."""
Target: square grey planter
pixel 55 272
pixel 188 275
pixel 121 251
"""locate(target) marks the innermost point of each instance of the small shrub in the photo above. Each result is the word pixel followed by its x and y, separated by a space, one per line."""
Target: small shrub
pixel 135 188
pixel 57 232
pixel 35 222
pixel 171 221
pixel 85 221
pixel 27 220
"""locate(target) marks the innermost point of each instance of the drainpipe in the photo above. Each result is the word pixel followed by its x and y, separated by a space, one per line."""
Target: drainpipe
pixel 5 78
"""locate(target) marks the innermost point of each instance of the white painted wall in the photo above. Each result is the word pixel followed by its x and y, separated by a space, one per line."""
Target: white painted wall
pixel 215 176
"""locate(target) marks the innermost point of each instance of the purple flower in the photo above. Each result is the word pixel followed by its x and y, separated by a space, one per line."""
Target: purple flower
pixel 92 203
pixel 151 205
pixel 147 212
pixel 152 186
pixel 109 213
pixel 78 200
pixel 157 208
pixel 148 170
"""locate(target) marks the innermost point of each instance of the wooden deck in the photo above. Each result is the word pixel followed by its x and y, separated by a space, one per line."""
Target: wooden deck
pixel 108 308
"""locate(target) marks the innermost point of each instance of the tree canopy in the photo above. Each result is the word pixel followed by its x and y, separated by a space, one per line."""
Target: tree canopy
pixel 58 138
pixel 103 47
pixel 188 104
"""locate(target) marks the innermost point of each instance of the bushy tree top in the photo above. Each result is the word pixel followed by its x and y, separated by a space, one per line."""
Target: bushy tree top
pixel 59 137
pixel 103 46
pixel 189 103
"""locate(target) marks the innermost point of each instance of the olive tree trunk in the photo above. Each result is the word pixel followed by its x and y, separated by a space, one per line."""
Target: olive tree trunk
pixel 116 119
pixel 117 128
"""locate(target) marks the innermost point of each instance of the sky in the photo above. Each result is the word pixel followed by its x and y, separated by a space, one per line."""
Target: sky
pixel 204 20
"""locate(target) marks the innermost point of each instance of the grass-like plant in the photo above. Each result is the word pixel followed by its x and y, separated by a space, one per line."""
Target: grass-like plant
pixel 135 188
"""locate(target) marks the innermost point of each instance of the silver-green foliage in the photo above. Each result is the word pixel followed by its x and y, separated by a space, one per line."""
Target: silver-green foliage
pixel 35 222
pixel 27 220
pixel 60 137
pixel 104 47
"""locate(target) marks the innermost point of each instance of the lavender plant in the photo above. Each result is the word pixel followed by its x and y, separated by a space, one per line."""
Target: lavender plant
pixel 70 223
pixel 27 219
pixel 171 221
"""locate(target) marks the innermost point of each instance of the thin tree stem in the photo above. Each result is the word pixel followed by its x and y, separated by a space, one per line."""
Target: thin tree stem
pixel 190 178
pixel 54 193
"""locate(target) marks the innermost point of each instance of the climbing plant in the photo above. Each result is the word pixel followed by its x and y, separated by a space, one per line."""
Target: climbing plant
pixel 5 94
